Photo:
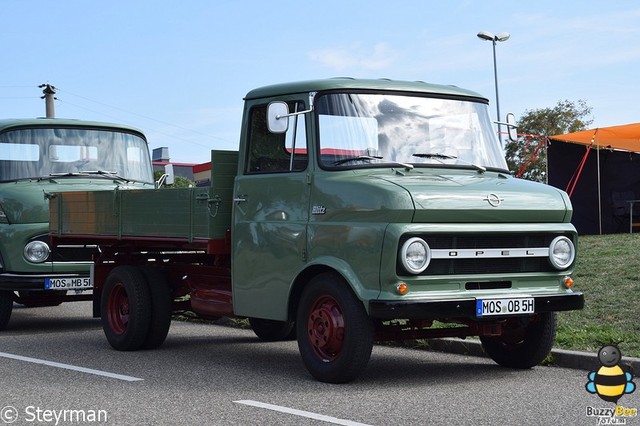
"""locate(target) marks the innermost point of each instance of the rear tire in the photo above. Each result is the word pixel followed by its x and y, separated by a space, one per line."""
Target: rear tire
pixel 335 335
pixel 160 321
pixel 125 307
pixel 273 331
pixel 6 307
pixel 525 343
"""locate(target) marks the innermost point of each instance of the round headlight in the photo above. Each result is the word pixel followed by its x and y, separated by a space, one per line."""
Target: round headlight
pixel 36 251
pixel 561 252
pixel 415 255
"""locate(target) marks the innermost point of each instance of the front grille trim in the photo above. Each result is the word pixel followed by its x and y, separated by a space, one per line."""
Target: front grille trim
pixel 481 254
pixel 69 253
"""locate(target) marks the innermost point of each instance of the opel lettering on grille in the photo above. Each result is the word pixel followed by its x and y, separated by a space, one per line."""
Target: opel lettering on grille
pixel 489 253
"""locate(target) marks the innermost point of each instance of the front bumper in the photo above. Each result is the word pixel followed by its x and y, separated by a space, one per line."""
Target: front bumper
pixel 31 282
pixel 462 308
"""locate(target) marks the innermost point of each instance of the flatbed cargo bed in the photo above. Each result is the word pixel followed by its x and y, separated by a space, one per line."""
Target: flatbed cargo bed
pixel 196 217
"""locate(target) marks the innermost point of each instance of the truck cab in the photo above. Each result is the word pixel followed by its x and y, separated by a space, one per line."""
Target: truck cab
pixel 39 157
pixel 396 197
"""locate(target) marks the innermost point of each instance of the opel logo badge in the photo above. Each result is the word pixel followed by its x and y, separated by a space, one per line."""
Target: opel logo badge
pixel 493 199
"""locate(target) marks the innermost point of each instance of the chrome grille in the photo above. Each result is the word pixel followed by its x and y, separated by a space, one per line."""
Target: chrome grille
pixel 70 253
pixel 479 242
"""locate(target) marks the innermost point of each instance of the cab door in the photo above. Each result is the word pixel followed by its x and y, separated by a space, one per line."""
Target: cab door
pixel 271 211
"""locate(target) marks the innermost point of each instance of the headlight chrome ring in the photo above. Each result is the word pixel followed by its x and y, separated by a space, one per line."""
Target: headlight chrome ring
pixel 562 252
pixel 415 255
pixel 36 251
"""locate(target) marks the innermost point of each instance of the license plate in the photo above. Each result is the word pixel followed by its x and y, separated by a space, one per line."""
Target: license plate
pixel 68 283
pixel 509 306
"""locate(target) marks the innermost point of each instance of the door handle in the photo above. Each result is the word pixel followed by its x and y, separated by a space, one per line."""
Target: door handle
pixel 239 199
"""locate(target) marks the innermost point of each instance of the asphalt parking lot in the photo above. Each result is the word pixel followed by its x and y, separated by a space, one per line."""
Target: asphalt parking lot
pixel 56 362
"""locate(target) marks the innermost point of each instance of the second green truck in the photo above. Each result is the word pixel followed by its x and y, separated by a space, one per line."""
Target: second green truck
pixel 39 157
pixel 353 211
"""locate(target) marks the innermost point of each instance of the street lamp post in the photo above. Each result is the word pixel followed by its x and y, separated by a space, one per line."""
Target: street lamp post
pixel 484 35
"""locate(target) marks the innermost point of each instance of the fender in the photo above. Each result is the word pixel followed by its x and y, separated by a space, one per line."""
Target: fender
pixel 363 292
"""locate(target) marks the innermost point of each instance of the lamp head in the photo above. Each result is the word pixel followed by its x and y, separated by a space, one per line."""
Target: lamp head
pixel 502 37
pixel 484 35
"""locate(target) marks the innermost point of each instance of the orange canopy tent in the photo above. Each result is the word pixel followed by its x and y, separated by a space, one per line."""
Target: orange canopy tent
pixel 626 137
pixel 613 173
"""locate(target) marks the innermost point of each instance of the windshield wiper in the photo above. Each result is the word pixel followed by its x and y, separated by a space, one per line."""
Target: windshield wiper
pixel 65 174
pixel 435 155
pixel 105 173
pixel 370 158
pixel 439 156
pixel 356 158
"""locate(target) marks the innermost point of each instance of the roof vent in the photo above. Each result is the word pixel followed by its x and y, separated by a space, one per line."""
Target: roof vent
pixel 161 154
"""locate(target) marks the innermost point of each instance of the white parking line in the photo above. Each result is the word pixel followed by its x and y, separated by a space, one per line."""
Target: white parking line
pixel 70 367
pixel 301 413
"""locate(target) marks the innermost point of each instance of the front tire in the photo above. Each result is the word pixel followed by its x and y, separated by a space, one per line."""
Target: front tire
pixel 524 343
pixel 6 307
pixel 335 335
pixel 125 307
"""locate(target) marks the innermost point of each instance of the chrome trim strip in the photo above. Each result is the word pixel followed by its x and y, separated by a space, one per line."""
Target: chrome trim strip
pixel 489 253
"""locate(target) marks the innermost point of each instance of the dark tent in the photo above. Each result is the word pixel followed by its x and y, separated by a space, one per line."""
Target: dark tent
pixel 600 169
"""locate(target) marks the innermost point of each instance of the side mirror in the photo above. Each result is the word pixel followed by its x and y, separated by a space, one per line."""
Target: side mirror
pixel 512 129
pixel 170 177
pixel 278 117
pixel 167 178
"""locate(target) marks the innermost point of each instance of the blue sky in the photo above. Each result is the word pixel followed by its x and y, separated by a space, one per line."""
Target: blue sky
pixel 179 70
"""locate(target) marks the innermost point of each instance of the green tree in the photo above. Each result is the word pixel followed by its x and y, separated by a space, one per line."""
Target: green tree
pixel 178 181
pixel 528 156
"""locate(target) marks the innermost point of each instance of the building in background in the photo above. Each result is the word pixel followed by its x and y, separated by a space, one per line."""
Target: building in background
pixel 202 174
pixel 160 158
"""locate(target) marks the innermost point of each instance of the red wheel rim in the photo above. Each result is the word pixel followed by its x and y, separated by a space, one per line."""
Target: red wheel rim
pixel 118 309
pixel 514 334
pixel 325 328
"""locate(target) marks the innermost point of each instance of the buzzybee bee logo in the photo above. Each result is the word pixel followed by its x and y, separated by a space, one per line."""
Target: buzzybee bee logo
pixel 610 382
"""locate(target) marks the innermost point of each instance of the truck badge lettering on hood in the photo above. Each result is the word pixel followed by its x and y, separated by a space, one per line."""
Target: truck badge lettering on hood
pixel 318 210
pixel 493 199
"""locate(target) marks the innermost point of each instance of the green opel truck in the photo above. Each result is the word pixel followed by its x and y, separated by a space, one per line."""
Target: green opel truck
pixel 354 211
pixel 37 158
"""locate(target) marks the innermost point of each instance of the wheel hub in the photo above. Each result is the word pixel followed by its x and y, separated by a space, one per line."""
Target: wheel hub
pixel 124 308
pixel 118 310
pixel 326 328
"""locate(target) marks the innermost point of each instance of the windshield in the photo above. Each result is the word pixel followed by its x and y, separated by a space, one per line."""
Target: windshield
pixel 373 130
pixel 42 152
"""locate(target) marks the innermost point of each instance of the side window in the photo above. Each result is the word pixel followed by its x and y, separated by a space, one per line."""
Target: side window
pixel 277 153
